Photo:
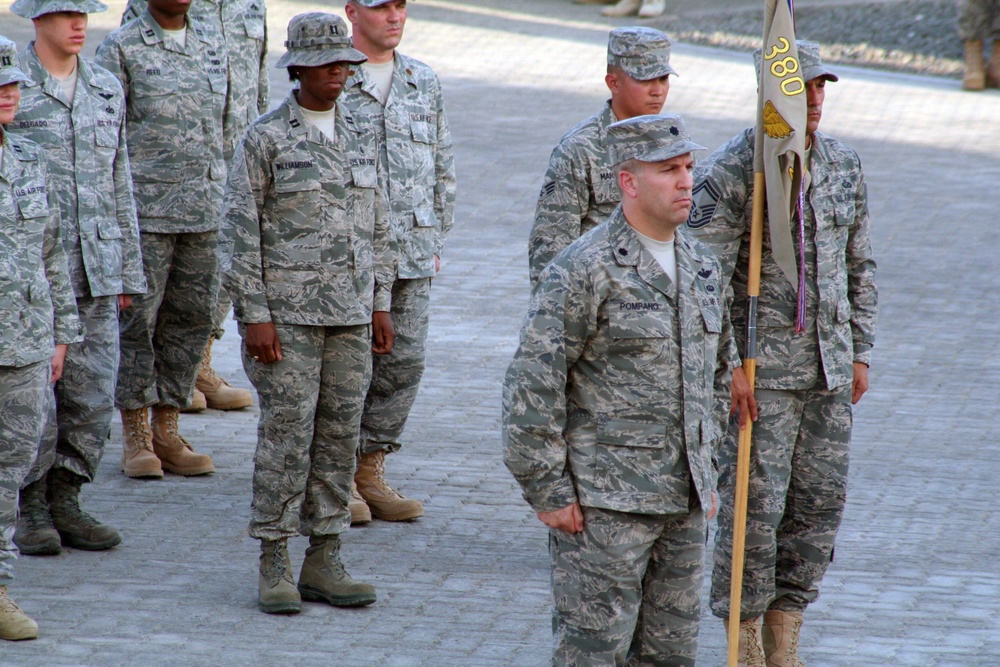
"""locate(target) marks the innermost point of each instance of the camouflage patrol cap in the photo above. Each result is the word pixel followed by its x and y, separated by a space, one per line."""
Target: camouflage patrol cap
pixel 318 39
pixel 10 70
pixel 644 53
pixel 32 9
pixel 809 62
pixel 371 3
pixel 651 138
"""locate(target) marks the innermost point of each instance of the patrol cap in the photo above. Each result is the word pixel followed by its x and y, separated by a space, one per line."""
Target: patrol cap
pixel 643 53
pixel 371 3
pixel 318 39
pixel 10 71
pixel 809 62
pixel 32 9
pixel 651 138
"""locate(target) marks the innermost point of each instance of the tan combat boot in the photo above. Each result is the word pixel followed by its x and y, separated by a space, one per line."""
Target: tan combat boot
pixel 781 638
pixel 35 535
pixel 750 652
pixel 652 8
pixel 360 512
pixel 219 394
pixel 276 591
pixel 76 528
pixel 622 8
pixel 384 501
pixel 198 403
pixel 138 459
pixel 15 625
pixel 175 453
pixel 993 67
pixel 324 579
pixel 975 76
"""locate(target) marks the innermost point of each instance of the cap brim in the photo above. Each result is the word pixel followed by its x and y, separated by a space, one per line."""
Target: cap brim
pixel 811 73
pixel 317 57
pixel 23 8
pixel 13 75
pixel 649 75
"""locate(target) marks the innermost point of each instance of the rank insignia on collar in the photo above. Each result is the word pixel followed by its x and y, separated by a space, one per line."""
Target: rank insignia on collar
pixel 623 252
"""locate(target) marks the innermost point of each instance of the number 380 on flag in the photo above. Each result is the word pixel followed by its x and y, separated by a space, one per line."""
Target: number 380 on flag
pixel 785 68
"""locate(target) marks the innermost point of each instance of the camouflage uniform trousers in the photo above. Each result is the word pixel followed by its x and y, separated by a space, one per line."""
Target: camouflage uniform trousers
pixel 23 394
pixel 627 590
pixel 307 436
pixel 396 376
pixel 797 492
pixel 979 19
pixel 165 331
pixel 223 304
pixel 82 406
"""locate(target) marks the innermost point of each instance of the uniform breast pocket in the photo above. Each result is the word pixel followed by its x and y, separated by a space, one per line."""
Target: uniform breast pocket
pixel 641 330
pixel 153 83
pixel 423 132
pixel 603 182
pixel 34 213
pixel 253 24
pixel 364 175
pixel 106 134
pixel 295 174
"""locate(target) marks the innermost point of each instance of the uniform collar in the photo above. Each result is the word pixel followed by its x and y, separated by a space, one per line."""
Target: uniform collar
pixel 152 32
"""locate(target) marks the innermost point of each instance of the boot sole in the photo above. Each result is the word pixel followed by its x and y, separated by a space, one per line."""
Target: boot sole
pixel 280 607
pixel 20 637
pixel 311 594
pixel 190 472
pixel 70 541
pixel 405 516
pixel 50 548
pixel 148 474
pixel 232 405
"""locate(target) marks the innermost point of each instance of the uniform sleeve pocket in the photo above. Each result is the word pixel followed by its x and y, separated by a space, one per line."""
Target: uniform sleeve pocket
pixel 623 433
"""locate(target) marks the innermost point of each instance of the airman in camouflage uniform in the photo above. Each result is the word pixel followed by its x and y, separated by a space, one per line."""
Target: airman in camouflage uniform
pixel 609 412
pixel 580 189
pixel 174 73
pixel 83 135
pixel 243 26
pixel 806 382
pixel 311 259
pixel 978 21
pixel 38 320
pixel 402 98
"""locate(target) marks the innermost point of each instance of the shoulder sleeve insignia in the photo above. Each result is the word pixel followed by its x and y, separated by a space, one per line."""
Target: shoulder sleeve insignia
pixel 549 188
pixel 775 126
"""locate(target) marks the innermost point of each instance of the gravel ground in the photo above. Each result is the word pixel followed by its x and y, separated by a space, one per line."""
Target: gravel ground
pixel 916 36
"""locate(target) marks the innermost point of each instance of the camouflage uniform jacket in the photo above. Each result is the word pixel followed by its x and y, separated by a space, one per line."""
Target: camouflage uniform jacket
pixel 88 168
pixel 610 399
pixel 175 102
pixel 243 26
pixel 304 242
pixel 37 306
pixel 579 192
pixel 841 294
pixel 416 149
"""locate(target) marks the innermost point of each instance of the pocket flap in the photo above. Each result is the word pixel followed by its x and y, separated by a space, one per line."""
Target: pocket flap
pixel 624 433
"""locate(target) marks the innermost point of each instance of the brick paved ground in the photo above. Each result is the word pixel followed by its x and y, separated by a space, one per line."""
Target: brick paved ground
pixel 916 580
